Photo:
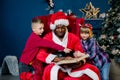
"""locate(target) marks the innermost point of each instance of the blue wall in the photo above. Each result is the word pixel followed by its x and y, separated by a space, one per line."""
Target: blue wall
pixel 16 15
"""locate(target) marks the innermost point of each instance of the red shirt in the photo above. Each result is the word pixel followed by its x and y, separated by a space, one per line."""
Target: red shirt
pixel 33 44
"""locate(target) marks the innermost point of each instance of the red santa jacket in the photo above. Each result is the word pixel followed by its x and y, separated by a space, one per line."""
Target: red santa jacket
pixel 33 44
pixel 73 43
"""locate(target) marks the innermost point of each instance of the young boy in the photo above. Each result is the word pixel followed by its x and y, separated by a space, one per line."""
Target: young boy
pixel 30 68
pixel 97 56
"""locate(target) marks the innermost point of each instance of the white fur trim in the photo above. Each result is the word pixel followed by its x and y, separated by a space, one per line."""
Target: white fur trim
pixel 91 74
pixel 58 41
pixel 59 21
pixel 62 21
pixel 54 72
pixel 49 58
pixel 88 72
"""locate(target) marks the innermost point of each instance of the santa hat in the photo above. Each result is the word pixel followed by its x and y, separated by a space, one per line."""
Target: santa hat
pixel 58 18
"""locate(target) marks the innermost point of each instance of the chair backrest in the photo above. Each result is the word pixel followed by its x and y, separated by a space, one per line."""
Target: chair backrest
pixel 73 24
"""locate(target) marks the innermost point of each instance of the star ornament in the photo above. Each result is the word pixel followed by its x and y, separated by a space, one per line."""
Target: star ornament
pixel 90 11
pixel 86 12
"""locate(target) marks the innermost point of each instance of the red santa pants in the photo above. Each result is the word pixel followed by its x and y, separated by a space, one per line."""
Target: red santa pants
pixel 64 76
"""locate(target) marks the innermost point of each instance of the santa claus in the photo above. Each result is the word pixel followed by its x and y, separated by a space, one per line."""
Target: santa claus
pixel 61 36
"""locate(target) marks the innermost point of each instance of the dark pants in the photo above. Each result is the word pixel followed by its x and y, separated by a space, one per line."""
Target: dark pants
pixel 36 69
pixel 25 68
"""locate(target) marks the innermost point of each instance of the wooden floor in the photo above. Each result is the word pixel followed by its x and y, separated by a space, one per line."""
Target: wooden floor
pixel 9 77
pixel 114 73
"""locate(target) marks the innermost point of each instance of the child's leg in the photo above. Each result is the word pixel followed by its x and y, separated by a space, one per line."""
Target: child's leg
pixel 24 68
pixel 105 71
pixel 25 72
pixel 38 69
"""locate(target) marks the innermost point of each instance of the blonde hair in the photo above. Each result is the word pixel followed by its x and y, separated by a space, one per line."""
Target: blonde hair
pixel 86 30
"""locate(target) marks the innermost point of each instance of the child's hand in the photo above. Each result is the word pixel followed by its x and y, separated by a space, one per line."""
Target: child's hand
pixel 57 59
pixel 78 54
pixel 67 50
pixel 68 58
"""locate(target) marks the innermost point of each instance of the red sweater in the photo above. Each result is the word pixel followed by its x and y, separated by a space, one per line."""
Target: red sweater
pixel 33 44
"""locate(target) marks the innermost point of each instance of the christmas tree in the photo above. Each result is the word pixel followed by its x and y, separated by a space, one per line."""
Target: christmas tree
pixel 110 37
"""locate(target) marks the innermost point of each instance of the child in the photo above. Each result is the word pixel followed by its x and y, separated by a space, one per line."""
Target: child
pixel 97 56
pixel 28 62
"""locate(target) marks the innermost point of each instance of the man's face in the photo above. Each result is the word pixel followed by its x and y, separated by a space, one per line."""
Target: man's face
pixel 60 31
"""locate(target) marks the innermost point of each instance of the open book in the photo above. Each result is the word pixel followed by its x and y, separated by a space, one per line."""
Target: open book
pixel 72 61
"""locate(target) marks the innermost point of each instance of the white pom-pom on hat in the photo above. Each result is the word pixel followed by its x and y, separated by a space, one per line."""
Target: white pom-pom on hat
pixel 52 26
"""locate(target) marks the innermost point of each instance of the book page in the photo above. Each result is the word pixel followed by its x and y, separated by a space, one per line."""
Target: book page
pixel 74 60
